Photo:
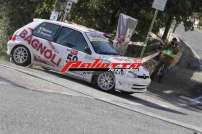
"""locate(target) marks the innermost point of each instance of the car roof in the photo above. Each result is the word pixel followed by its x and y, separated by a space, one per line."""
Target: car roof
pixel 69 25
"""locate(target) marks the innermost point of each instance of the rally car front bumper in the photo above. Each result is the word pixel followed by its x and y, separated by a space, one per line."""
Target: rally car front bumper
pixel 135 85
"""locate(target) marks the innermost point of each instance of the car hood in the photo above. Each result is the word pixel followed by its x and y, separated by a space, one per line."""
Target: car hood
pixel 119 59
pixel 141 71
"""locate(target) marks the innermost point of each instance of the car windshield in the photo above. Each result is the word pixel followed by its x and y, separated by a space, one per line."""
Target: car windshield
pixel 101 44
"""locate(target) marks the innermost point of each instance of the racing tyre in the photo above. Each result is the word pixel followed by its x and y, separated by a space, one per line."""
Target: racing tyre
pixel 105 81
pixel 21 56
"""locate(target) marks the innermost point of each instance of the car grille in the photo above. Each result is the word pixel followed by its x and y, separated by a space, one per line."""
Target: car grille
pixel 139 87
pixel 143 77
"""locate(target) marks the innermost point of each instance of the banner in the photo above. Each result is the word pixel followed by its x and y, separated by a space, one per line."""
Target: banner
pixel 125 29
pixel 54 15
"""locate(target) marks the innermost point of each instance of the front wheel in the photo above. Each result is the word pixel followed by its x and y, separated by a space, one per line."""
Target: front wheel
pixel 105 81
pixel 21 56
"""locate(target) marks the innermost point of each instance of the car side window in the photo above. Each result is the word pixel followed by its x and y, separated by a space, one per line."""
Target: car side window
pixel 73 39
pixel 46 31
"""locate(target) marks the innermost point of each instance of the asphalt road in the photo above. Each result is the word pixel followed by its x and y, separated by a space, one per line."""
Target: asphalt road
pixel 37 102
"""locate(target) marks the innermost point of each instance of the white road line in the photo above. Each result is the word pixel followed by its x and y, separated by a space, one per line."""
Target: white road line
pixel 186 98
pixel 123 105
pixel 194 101
pixel 156 101
pixel 4 83
pixel 198 100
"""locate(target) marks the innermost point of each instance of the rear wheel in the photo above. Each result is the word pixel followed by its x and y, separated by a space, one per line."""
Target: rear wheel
pixel 21 56
pixel 105 81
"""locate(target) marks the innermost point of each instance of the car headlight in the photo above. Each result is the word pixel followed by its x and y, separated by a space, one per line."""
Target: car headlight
pixel 132 74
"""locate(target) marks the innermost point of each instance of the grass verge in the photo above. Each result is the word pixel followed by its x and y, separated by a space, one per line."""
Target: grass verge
pixel 3 56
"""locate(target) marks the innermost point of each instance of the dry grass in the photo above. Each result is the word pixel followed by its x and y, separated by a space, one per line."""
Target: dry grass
pixel 3 56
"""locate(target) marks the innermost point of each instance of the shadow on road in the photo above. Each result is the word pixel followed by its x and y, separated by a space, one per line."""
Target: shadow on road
pixel 146 103
pixel 119 94
pixel 174 91
pixel 185 79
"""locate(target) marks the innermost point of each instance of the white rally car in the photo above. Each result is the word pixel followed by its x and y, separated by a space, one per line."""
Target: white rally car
pixel 51 44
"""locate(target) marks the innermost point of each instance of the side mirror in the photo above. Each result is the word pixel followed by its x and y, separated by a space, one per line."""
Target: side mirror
pixel 88 51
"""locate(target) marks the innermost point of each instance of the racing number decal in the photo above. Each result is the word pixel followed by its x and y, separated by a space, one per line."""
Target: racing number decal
pixel 72 56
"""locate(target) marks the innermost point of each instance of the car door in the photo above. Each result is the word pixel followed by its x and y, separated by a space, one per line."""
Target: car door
pixel 75 47
pixel 45 52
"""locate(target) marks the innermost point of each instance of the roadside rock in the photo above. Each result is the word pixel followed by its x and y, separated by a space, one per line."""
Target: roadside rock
pixel 188 60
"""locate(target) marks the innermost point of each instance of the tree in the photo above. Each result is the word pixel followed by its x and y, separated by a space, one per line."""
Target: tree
pixel 13 15
pixel 103 15
pixel 44 9
pixel 3 28
pixel 179 9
